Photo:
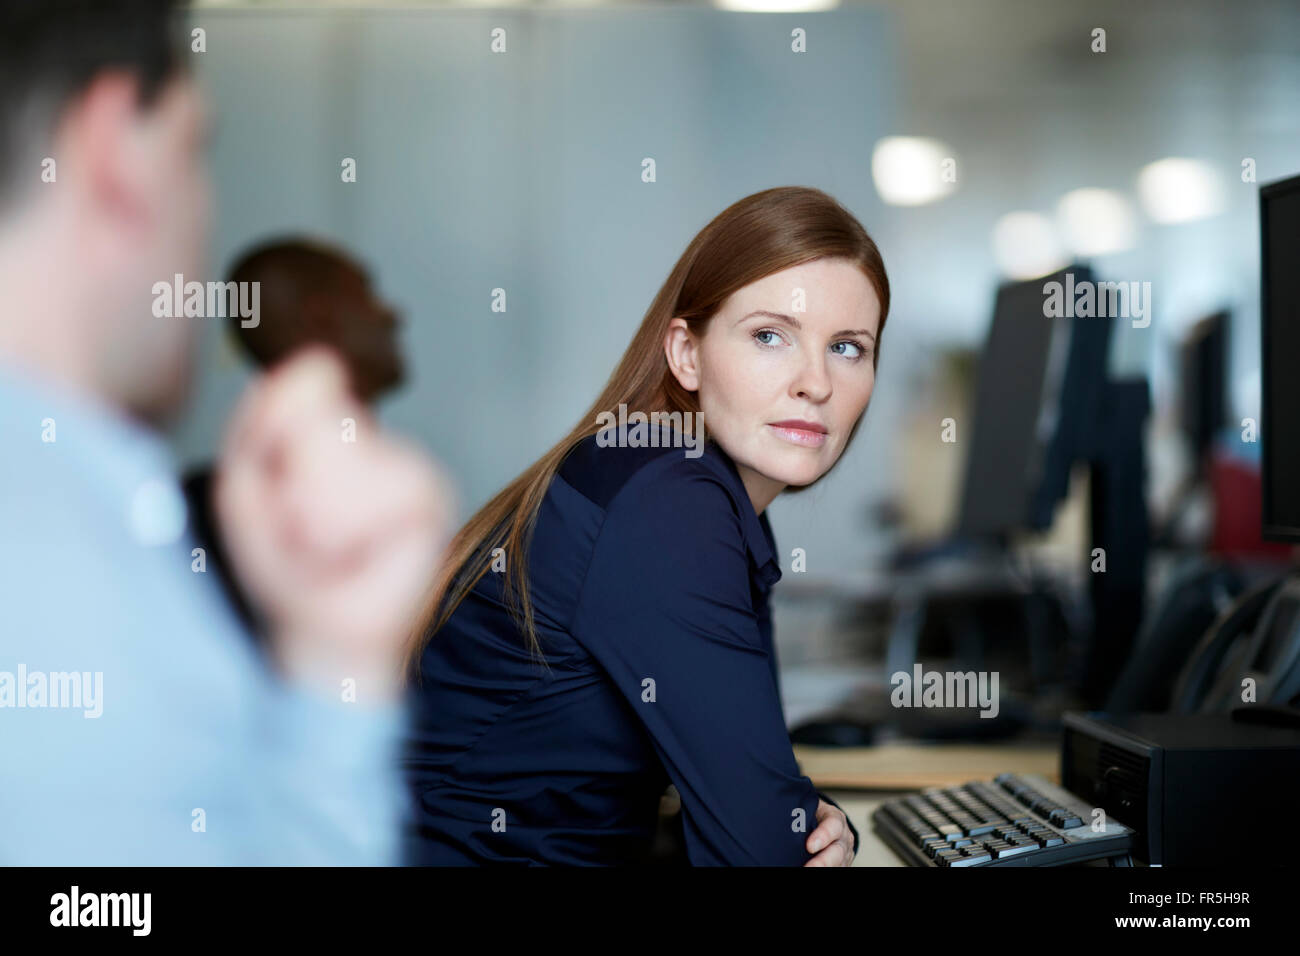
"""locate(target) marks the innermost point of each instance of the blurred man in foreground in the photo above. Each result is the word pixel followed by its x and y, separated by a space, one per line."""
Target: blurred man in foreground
pixel 136 724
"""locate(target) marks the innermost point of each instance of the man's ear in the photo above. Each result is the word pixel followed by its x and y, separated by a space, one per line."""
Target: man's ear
pixel 682 349
pixel 101 130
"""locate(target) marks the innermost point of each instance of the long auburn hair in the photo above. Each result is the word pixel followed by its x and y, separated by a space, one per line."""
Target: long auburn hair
pixel 754 237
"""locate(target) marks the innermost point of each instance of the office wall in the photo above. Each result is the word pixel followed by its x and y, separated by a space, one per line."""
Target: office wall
pixel 522 171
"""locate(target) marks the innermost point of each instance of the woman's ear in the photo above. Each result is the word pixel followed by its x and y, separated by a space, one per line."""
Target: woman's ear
pixel 682 350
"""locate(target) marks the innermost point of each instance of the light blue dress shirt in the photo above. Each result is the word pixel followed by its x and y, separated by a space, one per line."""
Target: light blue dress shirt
pixel 172 744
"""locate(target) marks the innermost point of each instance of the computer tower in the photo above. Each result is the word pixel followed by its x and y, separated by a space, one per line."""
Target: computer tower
pixel 1199 789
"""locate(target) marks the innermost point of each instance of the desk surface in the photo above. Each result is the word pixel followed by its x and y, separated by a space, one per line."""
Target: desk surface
pixel 910 766
pixel 860 779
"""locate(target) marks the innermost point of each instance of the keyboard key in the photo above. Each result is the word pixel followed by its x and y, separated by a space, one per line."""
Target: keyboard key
pixel 1003 852
pixel 1065 819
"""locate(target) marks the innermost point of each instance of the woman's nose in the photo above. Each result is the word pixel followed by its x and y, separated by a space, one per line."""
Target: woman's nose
pixel 813 381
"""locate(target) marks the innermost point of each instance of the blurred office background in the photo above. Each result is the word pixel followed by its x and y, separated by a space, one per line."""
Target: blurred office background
pixel 522 171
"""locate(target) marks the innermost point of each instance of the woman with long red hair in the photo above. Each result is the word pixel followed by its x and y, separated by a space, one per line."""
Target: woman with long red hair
pixel 602 629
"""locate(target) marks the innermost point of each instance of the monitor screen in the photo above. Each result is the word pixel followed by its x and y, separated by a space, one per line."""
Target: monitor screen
pixel 1204 383
pixel 1279 216
pixel 1015 409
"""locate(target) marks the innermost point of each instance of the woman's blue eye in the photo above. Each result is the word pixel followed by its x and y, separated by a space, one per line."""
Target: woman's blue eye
pixel 856 354
pixel 761 341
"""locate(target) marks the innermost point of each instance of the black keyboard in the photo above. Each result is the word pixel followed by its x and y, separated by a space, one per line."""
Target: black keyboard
pixel 1013 820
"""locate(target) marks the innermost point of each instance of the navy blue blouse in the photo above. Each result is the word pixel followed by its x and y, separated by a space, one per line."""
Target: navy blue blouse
pixel 649 574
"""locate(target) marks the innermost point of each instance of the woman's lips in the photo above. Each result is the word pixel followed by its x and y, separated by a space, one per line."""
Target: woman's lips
pixel 808 434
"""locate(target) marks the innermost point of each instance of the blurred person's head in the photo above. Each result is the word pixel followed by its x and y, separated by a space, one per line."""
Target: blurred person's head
pixel 771 319
pixel 103 193
pixel 312 293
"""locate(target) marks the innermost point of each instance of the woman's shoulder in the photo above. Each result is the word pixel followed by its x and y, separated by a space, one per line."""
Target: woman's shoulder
pixel 609 473
pixel 684 522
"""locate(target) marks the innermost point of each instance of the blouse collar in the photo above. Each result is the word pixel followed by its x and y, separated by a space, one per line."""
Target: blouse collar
pixel 759 541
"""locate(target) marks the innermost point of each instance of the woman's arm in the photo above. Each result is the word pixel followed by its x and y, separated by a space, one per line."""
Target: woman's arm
pixel 667 611
pixel 835 827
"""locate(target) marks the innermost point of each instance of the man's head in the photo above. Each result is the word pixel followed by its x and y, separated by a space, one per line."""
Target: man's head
pixel 313 293
pixel 103 192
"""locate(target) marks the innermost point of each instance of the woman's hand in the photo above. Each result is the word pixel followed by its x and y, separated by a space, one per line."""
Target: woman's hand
pixel 832 841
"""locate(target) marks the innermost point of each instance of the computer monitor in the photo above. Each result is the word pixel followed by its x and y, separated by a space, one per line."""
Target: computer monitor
pixel 1279 426
pixel 1204 382
pixel 1036 377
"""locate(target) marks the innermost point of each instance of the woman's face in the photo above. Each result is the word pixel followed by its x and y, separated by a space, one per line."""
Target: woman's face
pixel 784 371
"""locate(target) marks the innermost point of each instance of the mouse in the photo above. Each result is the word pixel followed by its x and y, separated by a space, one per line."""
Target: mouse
pixel 832 732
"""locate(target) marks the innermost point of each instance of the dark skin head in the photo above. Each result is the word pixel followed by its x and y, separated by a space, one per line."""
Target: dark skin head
pixel 315 294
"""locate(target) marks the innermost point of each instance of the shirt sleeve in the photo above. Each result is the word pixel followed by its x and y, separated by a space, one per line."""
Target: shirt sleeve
pixel 310 779
pixel 331 791
pixel 667 611
pixel 776 677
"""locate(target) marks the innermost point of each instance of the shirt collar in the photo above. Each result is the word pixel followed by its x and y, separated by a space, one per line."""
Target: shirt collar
pixel 757 530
